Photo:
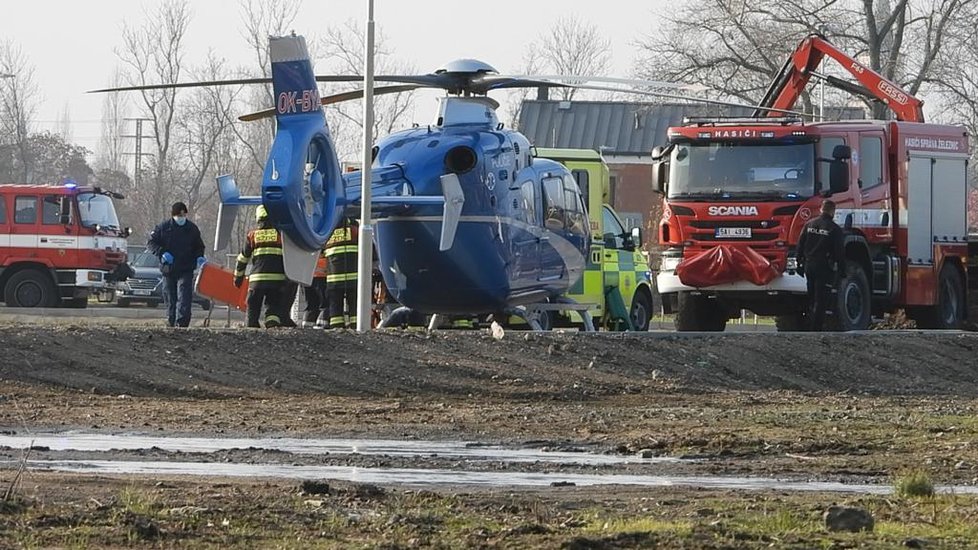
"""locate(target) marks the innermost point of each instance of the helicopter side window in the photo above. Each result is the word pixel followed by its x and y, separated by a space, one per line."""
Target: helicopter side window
pixel 554 218
pixel 576 213
pixel 529 202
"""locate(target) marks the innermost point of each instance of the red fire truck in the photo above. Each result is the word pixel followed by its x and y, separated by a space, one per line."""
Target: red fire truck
pixel 58 243
pixel 739 191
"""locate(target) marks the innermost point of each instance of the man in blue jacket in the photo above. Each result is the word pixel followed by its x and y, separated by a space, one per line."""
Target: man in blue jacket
pixel 178 245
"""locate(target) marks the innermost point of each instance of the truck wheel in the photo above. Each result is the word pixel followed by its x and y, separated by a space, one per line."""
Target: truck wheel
pixel 949 311
pixel 696 313
pixel 30 288
pixel 853 306
pixel 122 303
pixel 796 322
pixel 641 312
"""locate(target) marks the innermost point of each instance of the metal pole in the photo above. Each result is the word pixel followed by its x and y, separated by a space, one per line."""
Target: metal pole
pixel 365 245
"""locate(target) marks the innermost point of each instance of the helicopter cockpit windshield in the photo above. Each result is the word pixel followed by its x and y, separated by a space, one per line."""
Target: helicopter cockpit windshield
pixel 742 170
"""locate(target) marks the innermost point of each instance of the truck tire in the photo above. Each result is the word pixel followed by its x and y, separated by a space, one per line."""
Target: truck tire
pixel 641 312
pixel 122 303
pixel 795 322
pixel 696 313
pixel 853 305
pixel 30 288
pixel 76 303
pixel 949 312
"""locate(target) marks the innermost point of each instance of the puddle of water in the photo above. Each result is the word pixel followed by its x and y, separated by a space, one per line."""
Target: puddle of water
pixel 418 477
pixel 71 441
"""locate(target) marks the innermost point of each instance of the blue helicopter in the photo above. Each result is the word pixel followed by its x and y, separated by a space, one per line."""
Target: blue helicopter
pixel 468 220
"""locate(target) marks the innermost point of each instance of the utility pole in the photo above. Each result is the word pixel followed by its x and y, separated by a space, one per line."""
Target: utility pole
pixel 365 248
pixel 139 137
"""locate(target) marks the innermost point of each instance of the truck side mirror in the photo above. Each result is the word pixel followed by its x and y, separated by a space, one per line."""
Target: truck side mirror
pixel 660 169
pixel 838 176
pixel 637 237
pixel 841 152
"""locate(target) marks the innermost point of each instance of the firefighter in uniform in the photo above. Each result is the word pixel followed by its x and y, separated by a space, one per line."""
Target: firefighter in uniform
pixel 341 273
pixel 266 281
pixel 821 255
pixel 316 292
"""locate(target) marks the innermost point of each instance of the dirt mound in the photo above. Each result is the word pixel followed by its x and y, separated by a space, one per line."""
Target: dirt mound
pixel 201 362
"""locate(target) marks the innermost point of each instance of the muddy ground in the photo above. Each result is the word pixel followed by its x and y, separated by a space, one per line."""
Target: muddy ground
pixel 854 408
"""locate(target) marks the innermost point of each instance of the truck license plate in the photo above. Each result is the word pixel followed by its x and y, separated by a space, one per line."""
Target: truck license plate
pixel 733 233
pixel 141 292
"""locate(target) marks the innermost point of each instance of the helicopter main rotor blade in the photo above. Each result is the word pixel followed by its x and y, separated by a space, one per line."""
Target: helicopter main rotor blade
pixel 688 98
pixel 420 80
pixel 336 98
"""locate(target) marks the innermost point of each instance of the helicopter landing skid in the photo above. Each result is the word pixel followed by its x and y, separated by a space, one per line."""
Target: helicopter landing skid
pixel 531 313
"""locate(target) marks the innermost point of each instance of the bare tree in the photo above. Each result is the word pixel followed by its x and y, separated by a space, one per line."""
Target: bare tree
pixel 153 54
pixel 63 124
pixel 341 50
pixel 204 119
pixel 112 149
pixel 573 47
pixel 19 97
pixel 532 64
pixel 737 47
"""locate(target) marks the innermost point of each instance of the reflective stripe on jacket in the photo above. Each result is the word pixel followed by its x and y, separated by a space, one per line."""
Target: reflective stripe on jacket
pixel 263 248
pixel 341 253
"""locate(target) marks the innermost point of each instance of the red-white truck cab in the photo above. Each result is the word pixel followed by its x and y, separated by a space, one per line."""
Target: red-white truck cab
pixel 739 191
pixel 58 244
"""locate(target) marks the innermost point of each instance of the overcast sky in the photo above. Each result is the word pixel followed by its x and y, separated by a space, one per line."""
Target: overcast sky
pixel 71 42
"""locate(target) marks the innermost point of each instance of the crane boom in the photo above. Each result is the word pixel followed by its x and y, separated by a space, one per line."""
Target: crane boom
pixel 800 67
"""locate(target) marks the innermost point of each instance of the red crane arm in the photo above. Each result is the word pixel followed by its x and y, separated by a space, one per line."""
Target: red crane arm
pixel 797 71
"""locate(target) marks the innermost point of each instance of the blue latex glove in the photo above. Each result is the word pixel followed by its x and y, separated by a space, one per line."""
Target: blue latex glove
pixel 201 261
pixel 167 258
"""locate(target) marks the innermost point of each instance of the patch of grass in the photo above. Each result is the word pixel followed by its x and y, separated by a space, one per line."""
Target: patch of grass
pixel 778 523
pixel 914 484
pixel 639 525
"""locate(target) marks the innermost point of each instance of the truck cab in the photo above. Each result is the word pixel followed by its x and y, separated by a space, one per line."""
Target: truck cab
pixel 58 244
pixel 617 275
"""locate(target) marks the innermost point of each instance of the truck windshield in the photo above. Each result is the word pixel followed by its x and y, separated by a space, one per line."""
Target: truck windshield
pixel 735 170
pixel 97 209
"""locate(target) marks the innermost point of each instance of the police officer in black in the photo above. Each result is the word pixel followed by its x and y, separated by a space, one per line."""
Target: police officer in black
pixel 821 254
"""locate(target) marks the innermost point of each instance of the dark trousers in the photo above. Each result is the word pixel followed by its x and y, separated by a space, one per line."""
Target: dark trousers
pixel 270 296
pixel 819 279
pixel 342 299
pixel 315 299
pixel 289 291
pixel 178 293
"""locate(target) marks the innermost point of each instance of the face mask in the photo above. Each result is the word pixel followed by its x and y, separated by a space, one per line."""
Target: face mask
pixel 180 219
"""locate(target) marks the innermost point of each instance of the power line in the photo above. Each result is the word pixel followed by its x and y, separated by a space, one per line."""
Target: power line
pixel 139 137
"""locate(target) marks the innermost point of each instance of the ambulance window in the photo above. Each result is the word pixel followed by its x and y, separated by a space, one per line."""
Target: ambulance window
pixel 583 183
pixel 3 210
pixel 870 161
pixel 614 233
pixel 553 200
pixel 825 147
pixel 51 210
pixel 529 202
pixel 25 210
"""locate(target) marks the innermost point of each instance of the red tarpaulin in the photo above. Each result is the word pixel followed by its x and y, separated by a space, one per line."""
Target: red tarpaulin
pixel 726 263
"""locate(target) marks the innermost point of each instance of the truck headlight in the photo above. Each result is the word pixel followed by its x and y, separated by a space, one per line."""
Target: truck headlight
pixel 670 263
